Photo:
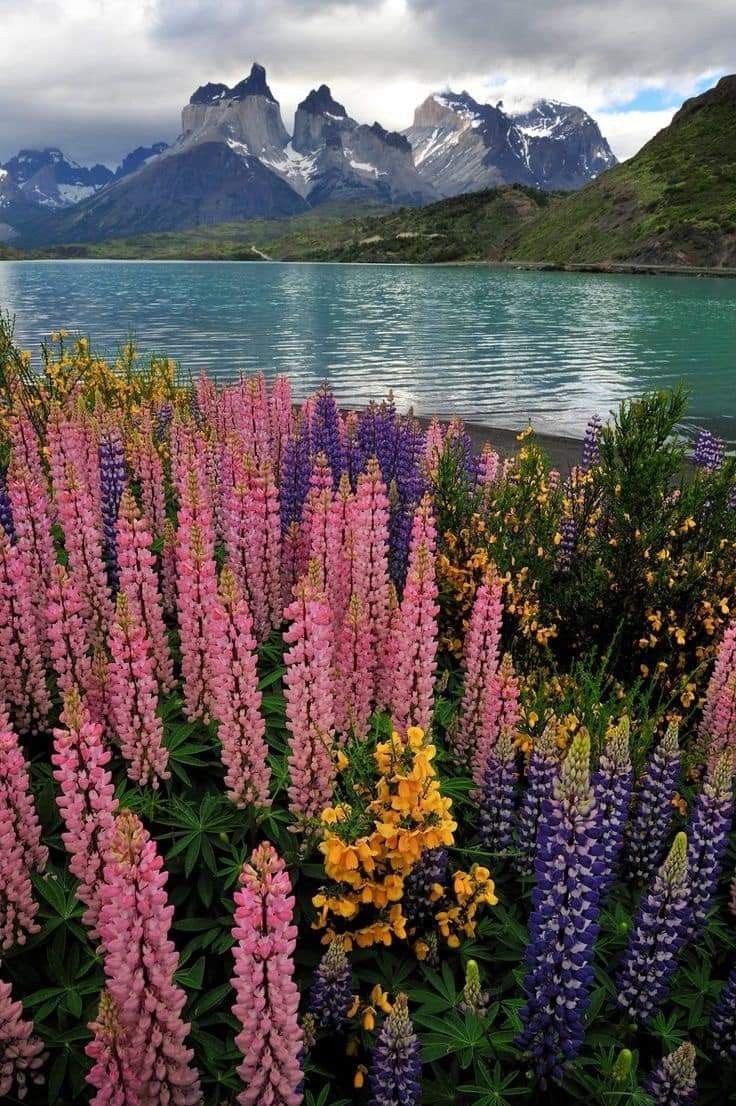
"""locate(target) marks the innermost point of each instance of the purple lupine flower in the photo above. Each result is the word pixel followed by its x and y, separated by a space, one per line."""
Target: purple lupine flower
pixel 612 786
pixel 544 762
pixel 498 798
pixel 659 933
pixel 591 452
pixel 6 510
pixel 331 993
pixel 723 1020
pixel 563 925
pixel 396 1068
pixel 296 469
pixel 652 818
pixel 326 438
pixel 420 889
pixel 710 826
pixel 709 451
pixel 113 482
pixel 164 415
pixel 377 437
pixel 672 1083
pixel 568 544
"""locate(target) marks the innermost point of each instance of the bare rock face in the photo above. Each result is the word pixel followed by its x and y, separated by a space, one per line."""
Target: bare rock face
pixel 247 114
pixel 461 145
pixel 49 179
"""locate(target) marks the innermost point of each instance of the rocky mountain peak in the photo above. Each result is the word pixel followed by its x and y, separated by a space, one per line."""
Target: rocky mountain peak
pixel 254 84
pixel 320 102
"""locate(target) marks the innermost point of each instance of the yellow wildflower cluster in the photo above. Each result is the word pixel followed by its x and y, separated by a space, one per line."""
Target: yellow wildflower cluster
pixel 408 815
pixel 472 890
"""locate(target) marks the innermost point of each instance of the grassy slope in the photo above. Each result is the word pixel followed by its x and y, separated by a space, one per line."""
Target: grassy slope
pixel 673 203
pixel 471 227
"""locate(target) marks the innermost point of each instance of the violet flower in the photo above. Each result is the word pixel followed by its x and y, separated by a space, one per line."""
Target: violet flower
pixel 612 786
pixel 710 825
pixel 498 796
pixel 652 818
pixel 331 993
pixel 396 1067
pixel 672 1083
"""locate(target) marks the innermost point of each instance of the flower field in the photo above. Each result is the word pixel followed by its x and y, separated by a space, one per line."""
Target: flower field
pixel 342 763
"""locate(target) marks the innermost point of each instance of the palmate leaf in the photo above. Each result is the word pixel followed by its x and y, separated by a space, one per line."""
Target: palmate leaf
pixel 464 1036
pixel 492 1087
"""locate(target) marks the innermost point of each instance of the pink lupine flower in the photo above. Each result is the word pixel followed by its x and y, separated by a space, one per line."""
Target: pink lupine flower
pixel 137 579
pixel 489 465
pixel 499 714
pixel 133 694
pixel 434 446
pixel 281 415
pixel 309 704
pixel 86 800
pixel 267 999
pixel 111 1073
pixel 25 447
pixel 149 471
pixel 481 654
pixel 369 524
pixel 81 522
pixel 196 582
pixel 352 683
pixel 22 1054
pixel 338 560
pixel 416 642
pixel 67 632
pixel 237 699
pixel 291 560
pixel 168 568
pixel 390 656
pixel 29 501
pixel 140 962
pixel 718 724
pixel 21 850
pixel 318 512
pixel 252 529
pixel 22 676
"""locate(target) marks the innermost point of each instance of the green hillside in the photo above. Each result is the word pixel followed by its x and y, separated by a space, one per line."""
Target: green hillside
pixel 471 227
pixel 674 203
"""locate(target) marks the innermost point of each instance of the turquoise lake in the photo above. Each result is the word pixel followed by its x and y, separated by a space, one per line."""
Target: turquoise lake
pixel 494 346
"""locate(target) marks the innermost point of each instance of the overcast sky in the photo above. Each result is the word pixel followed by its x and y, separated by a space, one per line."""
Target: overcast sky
pixel 98 77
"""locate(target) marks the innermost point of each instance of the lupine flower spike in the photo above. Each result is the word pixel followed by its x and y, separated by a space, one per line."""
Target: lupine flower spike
pixel 659 933
pixel 542 768
pixel 111 1073
pixel 723 1020
pixel 718 725
pixel 331 993
pixel 140 962
pixel 653 812
pixel 612 786
pixel 480 661
pixel 564 922
pixel 672 1083
pixel 498 796
pixel 396 1068
pixel 266 996
pixel 710 825
pixel 21 851
pixel 22 1054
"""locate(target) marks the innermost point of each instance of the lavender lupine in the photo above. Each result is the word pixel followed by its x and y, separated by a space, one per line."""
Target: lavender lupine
pixel 564 922
pixel 140 964
pixel 266 996
pixel 423 887
pixel 613 783
pixel 498 796
pixel 659 933
pixel 543 765
pixel 568 543
pixel 295 472
pixel 591 444
pixel 331 992
pixel 396 1067
pixel 709 451
pixel 723 1020
pixel 711 818
pixel 326 436
pixel 22 1053
pixel 653 811
pixel 113 482
pixel 673 1081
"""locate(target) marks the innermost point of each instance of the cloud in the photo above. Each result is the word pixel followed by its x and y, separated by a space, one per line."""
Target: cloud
pixel 98 77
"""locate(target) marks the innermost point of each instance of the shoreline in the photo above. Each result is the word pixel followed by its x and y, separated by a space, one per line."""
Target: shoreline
pixel 602 268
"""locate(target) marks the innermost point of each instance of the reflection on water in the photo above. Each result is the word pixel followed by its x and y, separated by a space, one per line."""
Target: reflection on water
pixel 493 346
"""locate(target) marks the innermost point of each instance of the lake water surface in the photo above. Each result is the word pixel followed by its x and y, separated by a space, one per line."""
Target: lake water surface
pixel 494 346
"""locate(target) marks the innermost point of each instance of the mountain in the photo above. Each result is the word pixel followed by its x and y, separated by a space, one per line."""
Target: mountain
pixel 49 179
pixel 461 145
pixel 673 203
pixel 139 157
pixel 234 159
